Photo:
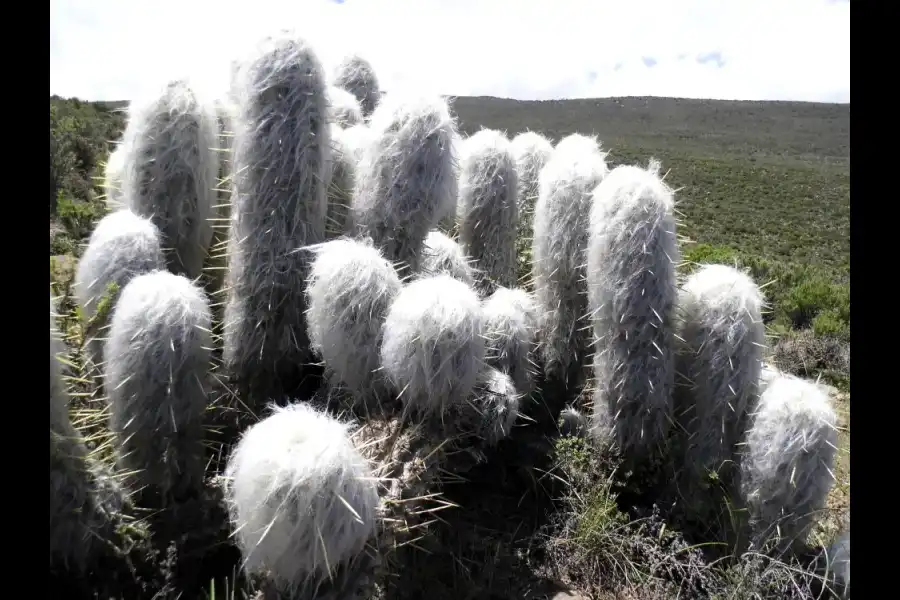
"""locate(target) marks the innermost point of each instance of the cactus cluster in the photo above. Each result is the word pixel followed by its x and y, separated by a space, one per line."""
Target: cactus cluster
pixel 430 350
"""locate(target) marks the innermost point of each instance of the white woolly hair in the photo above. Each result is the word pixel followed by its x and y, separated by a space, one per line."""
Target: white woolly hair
pixel 344 108
pixel 302 499
pixel 340 184
pixel 767 374
pixel 356 75
pixel 632 253
pixel 559 244
pixel 531 151
pixel 356 138
pixel 122 246
pixel 788 468
pixel 442 255
pixel 407 177
pixel 577 144
pixel 488 212
pixel 351 287
pixel 112 175
pixel 495 397
pixel 433 346
pixel 156 376
pixel 572 422
pixel 721 338
pixel 170 171
pixel 281 153
pixel 510 330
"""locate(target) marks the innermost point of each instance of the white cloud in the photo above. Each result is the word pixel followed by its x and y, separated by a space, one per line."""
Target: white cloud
pixel 526 49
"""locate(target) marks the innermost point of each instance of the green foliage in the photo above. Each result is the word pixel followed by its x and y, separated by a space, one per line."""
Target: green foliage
pixel 78 217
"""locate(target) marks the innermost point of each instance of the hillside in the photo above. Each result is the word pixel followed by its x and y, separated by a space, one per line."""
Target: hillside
pixel 764 185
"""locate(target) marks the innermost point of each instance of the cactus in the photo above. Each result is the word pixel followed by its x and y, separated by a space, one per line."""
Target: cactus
pixel 170 170
pixel 157 380
pixel 281 150
pixel 303 501
pixel 510 327
pixel 578 143
pixel 83 500
pixel 344 109
pixel 433 346
pixel 531 152
pixel 561 221
pixel 496 400
pixel 407 178
pixel 355 74
pixel 572 422
pixel 631 294
pixel 122 246
pixel 488 210
pixel 788 467
pixel 441 255
pixel 340 186
pixel 351 287
pixel 112 176
pixel 356 138
pixel 215 265
pixel 721 336
pixel 838 563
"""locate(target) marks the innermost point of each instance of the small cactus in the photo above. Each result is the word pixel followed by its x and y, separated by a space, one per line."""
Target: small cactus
pixel 496 399
pixel 356 75
pixel 510 329
pixel 788 468
pixel 344 110
pixel 122 246
pixel 351 287
pixel 442 255
pixel 407 178
pixel 157 380
pixel 531 152
pixel 303 500
pixel 488 209
pixel 433 347
pixel 170 172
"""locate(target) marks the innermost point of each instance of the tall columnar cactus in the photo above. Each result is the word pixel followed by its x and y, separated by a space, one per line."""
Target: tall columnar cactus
pixel 433 345
pixel 170 171
pixel 157 375
pixel 407 178
pixel 344 109
pixel 356 75
pixel 351 287
pixel 788 468
pixel 442 255
pixel 83 501
pixel 112 175
pixel 561 219
pixel 215 264
pixel 510 329
pixel 122 246
pixel 281 151
pixel 303 502
pixel 632 254
pixel 340 184
pixel 719 355
pixel 531 151
pixel 488 210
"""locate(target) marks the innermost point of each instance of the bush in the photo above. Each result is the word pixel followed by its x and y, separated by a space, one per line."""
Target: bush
pixel 77 217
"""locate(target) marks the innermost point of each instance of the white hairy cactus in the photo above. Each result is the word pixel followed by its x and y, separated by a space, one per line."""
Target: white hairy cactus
pixel 510 331
pixel 433 346
pixel 442 255
pixel 170 171
pixel 340 184
pixel 531 151
pixel 281 156
pixel 496 399
pixel 122 246
pixel 356 75
pixel 561 218
pixel 157 374
pixel 356 138
pixel 303 501
pixel 631 278
pixel 351 287
pixel 344 109
pixel 721 337
pixel 788 467
pixel 488 209
pixel 112 176
pixel 407 178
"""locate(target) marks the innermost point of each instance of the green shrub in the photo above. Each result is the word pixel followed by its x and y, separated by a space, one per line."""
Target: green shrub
pixel 77 217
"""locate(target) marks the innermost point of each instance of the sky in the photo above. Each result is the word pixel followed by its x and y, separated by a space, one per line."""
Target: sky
pixel 522 49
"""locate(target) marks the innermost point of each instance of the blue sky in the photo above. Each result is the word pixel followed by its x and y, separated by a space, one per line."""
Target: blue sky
pixel 525 49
